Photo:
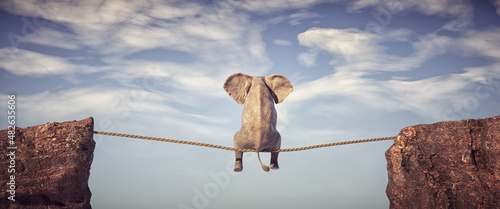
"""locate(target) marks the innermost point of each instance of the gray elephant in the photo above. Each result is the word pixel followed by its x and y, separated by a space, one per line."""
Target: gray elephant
pixel 258 118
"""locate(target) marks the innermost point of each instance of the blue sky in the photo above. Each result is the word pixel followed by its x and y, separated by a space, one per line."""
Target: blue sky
pixel 360 69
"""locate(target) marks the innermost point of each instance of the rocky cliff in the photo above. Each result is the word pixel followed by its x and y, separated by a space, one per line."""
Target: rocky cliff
pixel 453 164
pixel 47 166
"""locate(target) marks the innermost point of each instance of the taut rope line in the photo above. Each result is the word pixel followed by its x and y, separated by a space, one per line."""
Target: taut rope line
pixel 242 150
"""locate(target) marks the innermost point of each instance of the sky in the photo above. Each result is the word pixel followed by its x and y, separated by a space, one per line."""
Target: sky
pixel 360 69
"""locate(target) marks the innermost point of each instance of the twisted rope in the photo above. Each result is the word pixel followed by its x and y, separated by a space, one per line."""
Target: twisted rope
pixel 241 150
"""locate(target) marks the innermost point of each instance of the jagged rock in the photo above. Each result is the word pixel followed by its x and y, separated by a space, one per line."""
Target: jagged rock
pixel 52 166
pixel 453 164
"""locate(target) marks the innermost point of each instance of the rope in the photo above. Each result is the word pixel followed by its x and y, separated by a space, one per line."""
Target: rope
pixel 242 150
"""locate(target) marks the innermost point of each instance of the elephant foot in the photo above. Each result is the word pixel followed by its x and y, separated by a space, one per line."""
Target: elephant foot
pixel 238 166
pixel 274 166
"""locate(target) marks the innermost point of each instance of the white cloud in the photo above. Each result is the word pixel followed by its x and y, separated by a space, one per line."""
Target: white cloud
pixel 460 11
pixel 46 36
pixel 355 95
pixel 187 84
pixel 267 7
pixel 485 43
pixel 119 28
pixel 364 55
pixel 427 47
pixel 327 85
pixel 396 34
pixel 307 59
pixel 350 43
pixel 360 4
pixel 282 42
pixel 296 18
pixel 28 63
pixel 346 42
pixel 128 109
pixel 352 50
pixel 70 104
pixel 221 40
pixel 428 7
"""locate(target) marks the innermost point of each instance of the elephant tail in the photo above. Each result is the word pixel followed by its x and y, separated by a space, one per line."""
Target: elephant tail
pixel 264 167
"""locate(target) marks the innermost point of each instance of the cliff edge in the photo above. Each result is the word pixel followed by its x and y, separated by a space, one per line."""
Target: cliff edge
pixel 453 164
pixel 47 166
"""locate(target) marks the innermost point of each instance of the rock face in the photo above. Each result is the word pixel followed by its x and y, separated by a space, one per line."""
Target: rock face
pixel 452 164
pixel 52 166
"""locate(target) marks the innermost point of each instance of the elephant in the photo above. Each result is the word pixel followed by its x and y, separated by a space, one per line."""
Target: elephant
pixel 258 118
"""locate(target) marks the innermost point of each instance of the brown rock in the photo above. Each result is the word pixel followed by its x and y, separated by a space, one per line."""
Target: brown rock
pixel 52 165
pixel 453 164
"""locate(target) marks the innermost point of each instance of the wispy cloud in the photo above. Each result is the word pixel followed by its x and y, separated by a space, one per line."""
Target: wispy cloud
pixel 485 43
pixel 281 42
pixel 354 94
pixel 351 49
pixel 267 7
pixel 221 40
pixel 46 36
pixel 113 28
pixel 123 108
pixel 460 12
pixel 297 18
pixel 357 55
pixel 28 63
pixel 349 43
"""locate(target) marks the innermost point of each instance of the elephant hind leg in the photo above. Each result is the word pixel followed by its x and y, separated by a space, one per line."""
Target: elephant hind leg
pixel 238 165
pixel 274 160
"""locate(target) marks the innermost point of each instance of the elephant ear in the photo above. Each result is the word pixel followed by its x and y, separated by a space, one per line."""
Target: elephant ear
pixel 280 86
pixel 237 86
